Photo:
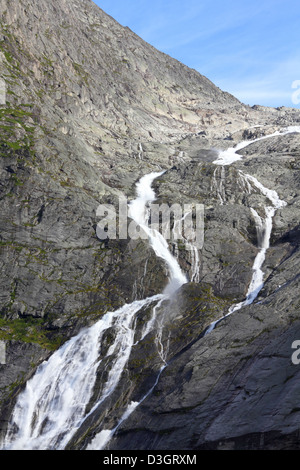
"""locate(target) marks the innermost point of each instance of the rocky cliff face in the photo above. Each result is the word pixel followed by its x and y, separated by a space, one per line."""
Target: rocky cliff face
pixel 90 108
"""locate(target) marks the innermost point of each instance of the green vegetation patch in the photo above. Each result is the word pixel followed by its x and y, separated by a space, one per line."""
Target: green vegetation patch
pixel 28 330
pixel 15 133
pixel 80 71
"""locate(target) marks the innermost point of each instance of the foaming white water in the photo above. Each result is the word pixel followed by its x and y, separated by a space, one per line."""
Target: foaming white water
pixel 150 324
pixel 269 193
pixel 52 406
pixel 101 439
pixel 45 411
pixel 226 157
pixel 139 212
pixel 264 229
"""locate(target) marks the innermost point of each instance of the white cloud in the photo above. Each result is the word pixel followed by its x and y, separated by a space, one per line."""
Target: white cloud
pixel 274 88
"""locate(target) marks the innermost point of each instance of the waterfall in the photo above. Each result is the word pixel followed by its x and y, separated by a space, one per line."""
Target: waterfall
pixel 263 226
pixel 194 272
pixel 53 404
pixel 140 154
pixel 230 155
pixel 264 229
pixel 101 440
pixel 195 262
pixel 139 212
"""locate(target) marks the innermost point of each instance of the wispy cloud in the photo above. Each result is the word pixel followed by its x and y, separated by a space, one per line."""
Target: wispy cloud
pixel 176 26
pixel 271 88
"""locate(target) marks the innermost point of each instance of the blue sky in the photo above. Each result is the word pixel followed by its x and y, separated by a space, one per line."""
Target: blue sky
pixel 248 48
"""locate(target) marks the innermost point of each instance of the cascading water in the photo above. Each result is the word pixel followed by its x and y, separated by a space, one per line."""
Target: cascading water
pixel 230 155
pixel 218 183
pixel 194 272
pixel 195 262
pixel 53 404
pixel 101 440
pixel 139 212
pixel 263 226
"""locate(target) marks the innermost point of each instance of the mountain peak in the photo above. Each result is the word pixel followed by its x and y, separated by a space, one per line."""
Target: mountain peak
pixel 102 73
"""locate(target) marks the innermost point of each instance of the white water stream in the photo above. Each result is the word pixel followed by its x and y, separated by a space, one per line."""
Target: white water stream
pixel 263 225
pixel 230 155
pixel 139 212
